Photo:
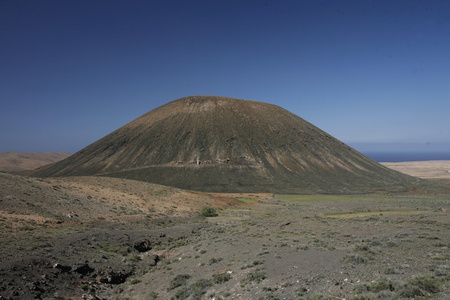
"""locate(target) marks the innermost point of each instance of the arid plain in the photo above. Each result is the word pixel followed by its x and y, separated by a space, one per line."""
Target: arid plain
pixel 110 238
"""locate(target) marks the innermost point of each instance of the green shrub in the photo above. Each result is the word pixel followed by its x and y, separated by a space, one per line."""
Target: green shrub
pixel 355 259
pixel 194 291
pixel 214 260
pixel 409 291
pixel 208 212
pixel 135 281
pixel 426 283
pixel 256 276
pixel 179 280
pixel 152 296
pixel 199 287
pixel 390 270
pixel 221 278
pixel 255 263
pixel 381 285
pixel 360 289
pixel 135 259
pixel 181 294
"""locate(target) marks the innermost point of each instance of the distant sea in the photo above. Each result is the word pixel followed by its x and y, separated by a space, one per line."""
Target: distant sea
pixel 406 156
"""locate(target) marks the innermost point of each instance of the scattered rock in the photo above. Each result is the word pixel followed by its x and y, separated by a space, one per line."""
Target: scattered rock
pixel 153 260
pixel 62 268
pixel 113 277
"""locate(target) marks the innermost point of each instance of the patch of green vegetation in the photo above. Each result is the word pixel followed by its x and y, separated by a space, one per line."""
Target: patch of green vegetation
pixel 221 278
pixel 252 277
pixel 270 289
pixel 161 192
pixel 208 212
pixel 179 280
pixel 426 283
pixel 364 248
pixel 135 281
pixel 318 297
pixel 135 259
pixel 363 297
pixel 194 291
pixel 319 198
pixel 381 285
pixel 181 294
pixel 246 200
pixel 198 288
pixel 418 286
pixel 390 271
pixel 214 260
pixel 254 263
pixel 226 294
pixel 355 259
pixel 113 249
pixel 370 213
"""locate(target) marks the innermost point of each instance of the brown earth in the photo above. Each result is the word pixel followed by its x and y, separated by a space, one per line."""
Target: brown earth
pixel 218 144
pixel 110 238
pixel 19 161
pixel 45 202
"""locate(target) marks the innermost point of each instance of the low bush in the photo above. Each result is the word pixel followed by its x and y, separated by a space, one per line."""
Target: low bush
pixel 426 283
pixel 381 285
pixel 179 280
pixel 256 276
pixel 417 286
pixel 199 287
pixel 194 291
pixel 214 260
pixel 181 294
pixel 221 278
pixel 208 212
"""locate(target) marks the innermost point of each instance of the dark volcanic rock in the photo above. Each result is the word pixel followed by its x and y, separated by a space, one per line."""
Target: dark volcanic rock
pixel 84 269
pixel 143 246
pixel 219 144
pixel 114 277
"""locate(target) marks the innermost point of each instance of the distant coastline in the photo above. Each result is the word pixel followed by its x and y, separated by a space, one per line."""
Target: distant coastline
pixel 383 156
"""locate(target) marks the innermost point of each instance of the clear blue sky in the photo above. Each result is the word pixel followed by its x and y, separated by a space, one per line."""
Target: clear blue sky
pixel 374 74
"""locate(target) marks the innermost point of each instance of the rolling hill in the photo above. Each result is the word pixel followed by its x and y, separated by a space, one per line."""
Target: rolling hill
pixel 218 144
pixel 20 161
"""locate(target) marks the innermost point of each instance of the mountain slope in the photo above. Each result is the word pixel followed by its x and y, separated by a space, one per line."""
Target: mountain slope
pixel 220 144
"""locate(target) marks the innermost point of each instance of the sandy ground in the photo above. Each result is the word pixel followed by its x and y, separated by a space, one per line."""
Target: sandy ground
pixel 438 169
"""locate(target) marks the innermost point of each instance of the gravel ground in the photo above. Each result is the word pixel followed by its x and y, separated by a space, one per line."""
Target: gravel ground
pixel 380 246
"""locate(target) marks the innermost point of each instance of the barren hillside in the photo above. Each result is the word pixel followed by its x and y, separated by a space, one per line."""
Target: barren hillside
pixel 110 238
pixel 33 201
